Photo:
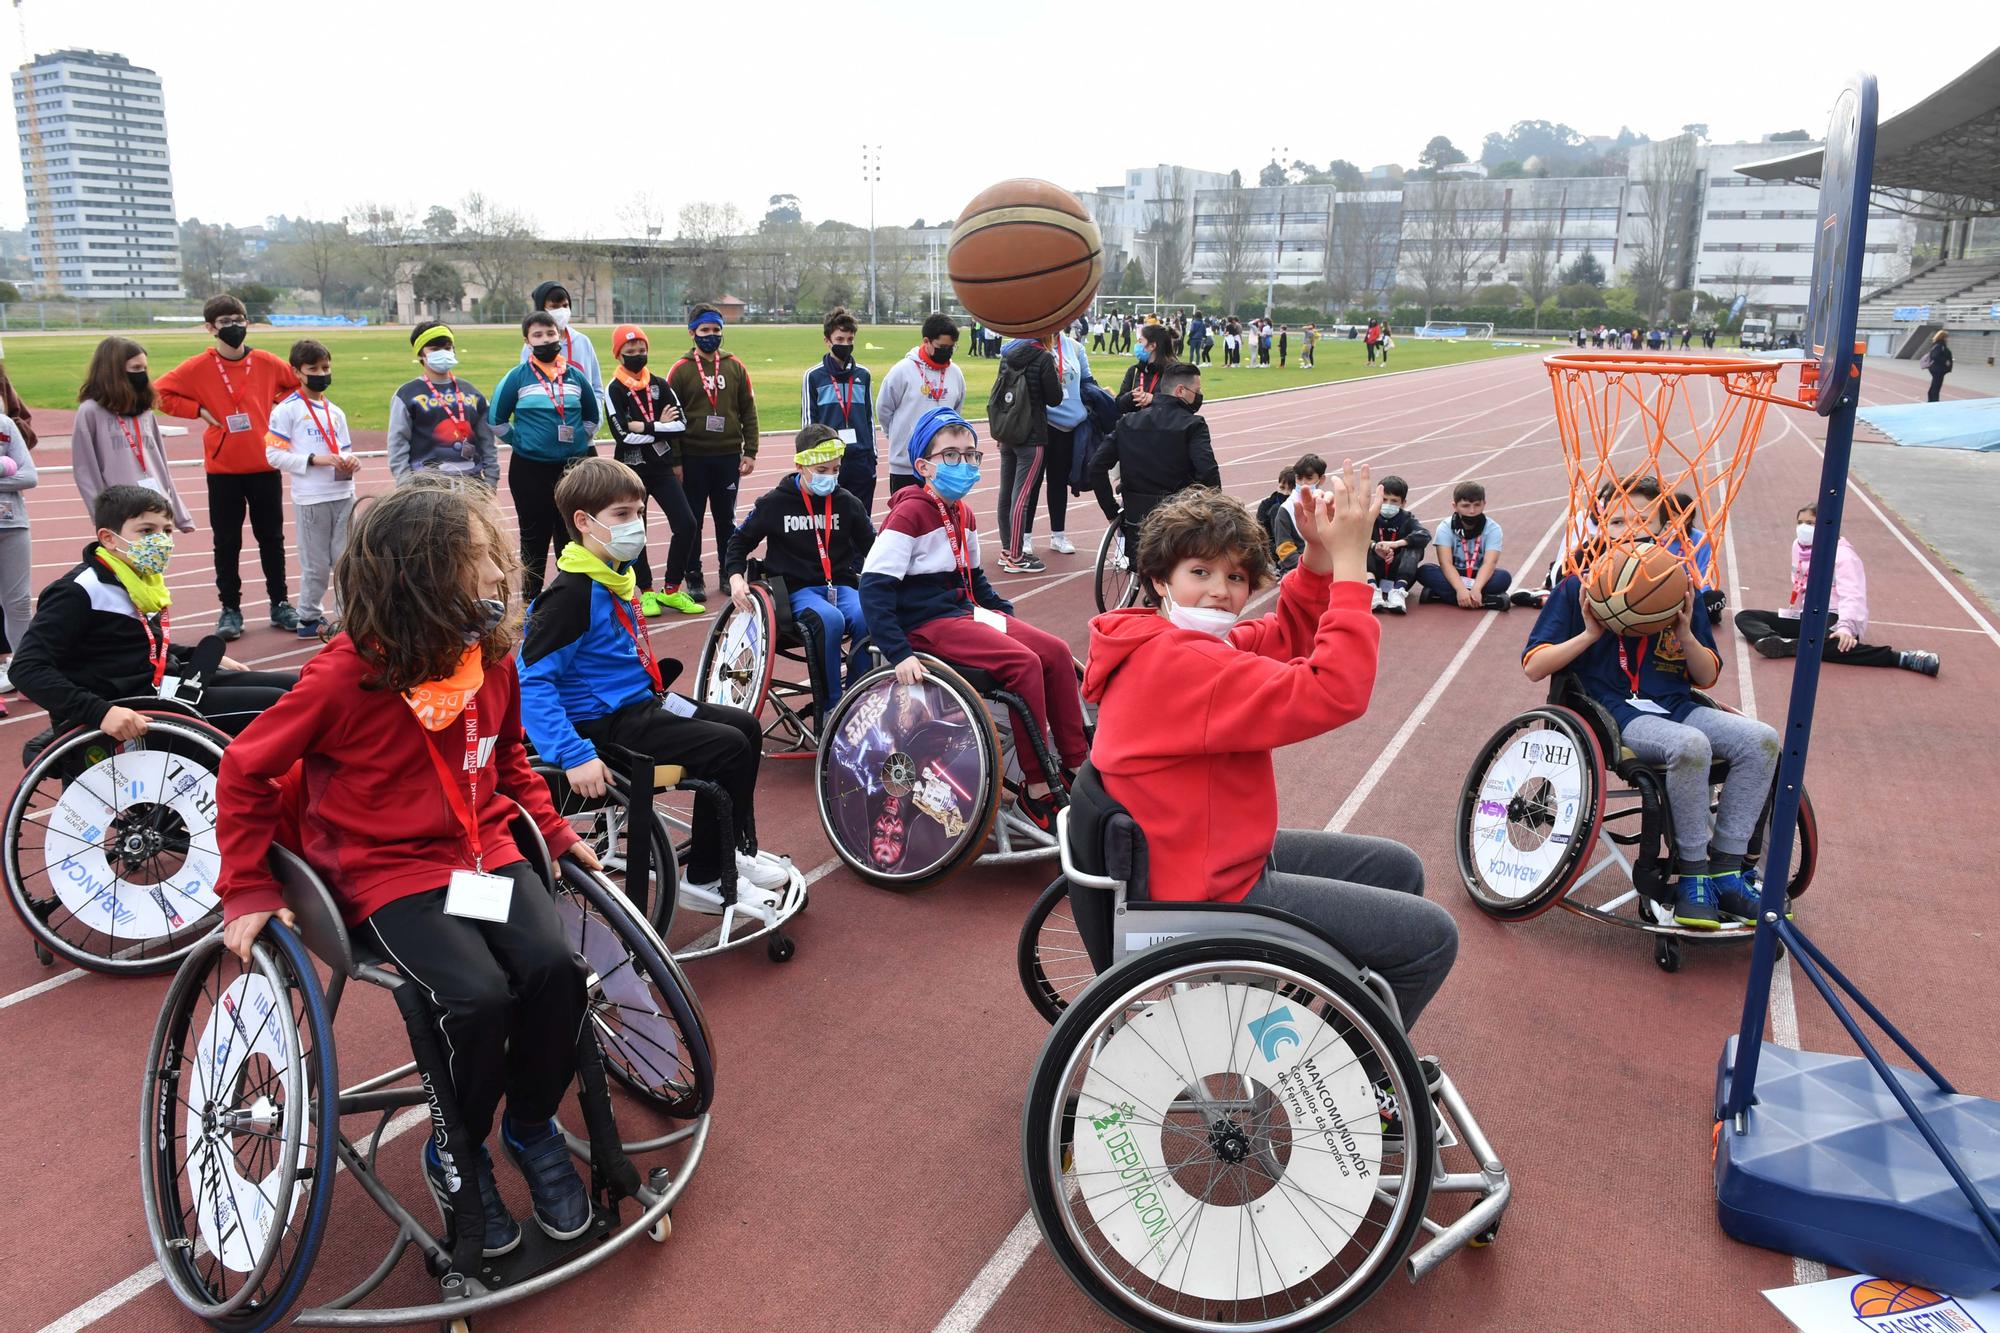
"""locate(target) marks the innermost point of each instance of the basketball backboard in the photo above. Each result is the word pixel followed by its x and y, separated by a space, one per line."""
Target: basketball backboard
pixel 1834 299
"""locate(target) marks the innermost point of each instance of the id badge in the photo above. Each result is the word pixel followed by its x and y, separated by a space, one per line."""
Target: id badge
pixel 990 618
pixel 714 426
pixel 677 705
pixel 848 436
pixel 1645 705
pixel 565 434
pixel 238 422
pixel 481 897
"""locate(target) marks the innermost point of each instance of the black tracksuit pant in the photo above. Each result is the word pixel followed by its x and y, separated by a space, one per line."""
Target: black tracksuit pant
pixel 722 745
pixel 262 494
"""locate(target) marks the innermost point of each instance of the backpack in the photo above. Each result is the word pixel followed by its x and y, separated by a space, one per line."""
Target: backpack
pixel 1010 412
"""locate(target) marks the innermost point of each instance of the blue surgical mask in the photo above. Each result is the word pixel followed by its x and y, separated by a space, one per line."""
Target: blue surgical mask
pixel 1143 352
pixel 708 342
pixel 954 481
pixel 821 483
pixel 441 360
pixel 1390 511
pixel 623 541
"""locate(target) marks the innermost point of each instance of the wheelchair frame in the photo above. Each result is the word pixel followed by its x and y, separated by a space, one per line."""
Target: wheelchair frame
pixel 1139 927
pixel 1113 546
pixel 468 1283
pixel 793 730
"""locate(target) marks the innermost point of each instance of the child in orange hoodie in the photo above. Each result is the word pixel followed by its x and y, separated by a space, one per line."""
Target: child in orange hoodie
pixel 1192 700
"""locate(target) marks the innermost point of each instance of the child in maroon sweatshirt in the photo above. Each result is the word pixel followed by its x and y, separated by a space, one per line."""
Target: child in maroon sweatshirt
pixel 1192 700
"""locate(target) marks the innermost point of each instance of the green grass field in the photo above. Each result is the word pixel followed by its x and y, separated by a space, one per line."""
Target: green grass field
pixel 368 364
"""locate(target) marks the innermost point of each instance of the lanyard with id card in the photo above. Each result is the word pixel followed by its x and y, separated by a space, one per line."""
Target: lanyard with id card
pixel 239 420
pixel 471 893
pixel 714 420
pixel 557 390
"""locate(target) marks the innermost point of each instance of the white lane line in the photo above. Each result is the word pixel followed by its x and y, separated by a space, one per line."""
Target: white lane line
pixel 40 988
pixel 983 1293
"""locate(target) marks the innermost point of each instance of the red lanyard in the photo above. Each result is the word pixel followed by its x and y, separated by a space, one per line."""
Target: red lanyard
pixel 714 404
pixel 156 647
pixel 555 390
pixel 1149 387
pixel 634 623
pixel 846 399
pixel 132 438
pixel 1061 366
pixel 823 535
pixel 924 384
pixel 465 807
pixel 326 431
pixel 1633 667
pixel 222 369
pixel 453 410
pixel 1472 551
pixel 642 398
pixel 955 538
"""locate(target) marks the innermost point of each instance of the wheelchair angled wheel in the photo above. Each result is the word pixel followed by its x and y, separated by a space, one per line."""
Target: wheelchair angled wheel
pixel 109 850
pixel 1055 966
pixel 908 776
pixel 239 1122
pixel 1203 1141
pixel 736 661
pixel 1530 812
pixel 648 1023
pixel 602 822
pixel 1117 579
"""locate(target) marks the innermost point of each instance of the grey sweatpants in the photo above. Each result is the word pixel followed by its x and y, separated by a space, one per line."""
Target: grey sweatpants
pixel 322 537
pixel 1686 748
pixel 17 580
pixel 1367 896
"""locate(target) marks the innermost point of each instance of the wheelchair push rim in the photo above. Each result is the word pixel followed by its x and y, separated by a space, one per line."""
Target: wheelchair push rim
pixel 1053 963
pixel 1117 585
pixel 1530 813
pixel 736 662
pixel 238 1126
pixel 1218 1097
pixel 110 847
pixel 908 776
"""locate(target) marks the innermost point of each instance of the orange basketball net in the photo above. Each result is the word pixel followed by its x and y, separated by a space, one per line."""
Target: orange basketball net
pixel 1689 423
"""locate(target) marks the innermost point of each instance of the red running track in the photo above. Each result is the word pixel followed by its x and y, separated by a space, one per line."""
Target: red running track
pixel 864 1171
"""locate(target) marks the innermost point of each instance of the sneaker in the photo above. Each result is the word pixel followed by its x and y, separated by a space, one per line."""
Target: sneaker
pixel 503 1233
pixel 1432 597
pixel 6 681
pixel 694 593
pixel 1694 902
pixel 562 1205
pixel 1917 660
pixel 763 870
pixel 1737 896
pixel 1397 600
pixel 1522 597
pixel 1039 810
pixel 1028 544
pixel 1021 564
pixel 284 616
pixel 659 603
pixel 1494 601
pixel 1060 544
pixel 1376 601
pixel 694 585
pixel 229 625
pixel 1391 1112
pixel 1773 646
pixel 308 629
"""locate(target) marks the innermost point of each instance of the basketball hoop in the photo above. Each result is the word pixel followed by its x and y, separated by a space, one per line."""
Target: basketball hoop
pixel 1624 416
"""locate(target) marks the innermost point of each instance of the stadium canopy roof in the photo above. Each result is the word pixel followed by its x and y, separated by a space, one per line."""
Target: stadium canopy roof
pixel 1939 159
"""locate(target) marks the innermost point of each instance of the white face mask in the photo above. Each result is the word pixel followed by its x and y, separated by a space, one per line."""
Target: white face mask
pixel 441 360
pixel 1805 534
pixel 561 313
pixel 624 540
pixel 1390 511
pixel 1201 619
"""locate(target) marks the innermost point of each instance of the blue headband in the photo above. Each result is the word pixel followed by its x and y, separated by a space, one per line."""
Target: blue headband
pixel 700 318
pixel 928 426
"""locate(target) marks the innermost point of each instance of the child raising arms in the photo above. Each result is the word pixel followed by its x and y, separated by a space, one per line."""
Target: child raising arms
pixel 404 735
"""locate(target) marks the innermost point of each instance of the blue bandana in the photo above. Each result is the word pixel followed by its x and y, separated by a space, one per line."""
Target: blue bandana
pixel 705 317
pixel 933 421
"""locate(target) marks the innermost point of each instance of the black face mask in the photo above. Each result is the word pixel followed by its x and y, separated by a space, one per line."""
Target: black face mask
pixel 941 355
pixel 141 382
pixel 1468 527
pixel 232 335
pixel 634 363
pixel 843 353
pixel 546 352
pixel 1194 403
pixel 318 383
pixel 708 342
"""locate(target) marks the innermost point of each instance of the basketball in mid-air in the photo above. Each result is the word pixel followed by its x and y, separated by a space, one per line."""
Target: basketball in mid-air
pixel 1025 257
pixel 1637 589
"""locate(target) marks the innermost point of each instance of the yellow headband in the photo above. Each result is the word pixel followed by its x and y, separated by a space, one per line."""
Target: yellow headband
pixel 826 451
pixel 431 335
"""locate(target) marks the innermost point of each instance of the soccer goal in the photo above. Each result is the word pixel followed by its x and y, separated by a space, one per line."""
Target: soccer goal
pixel 1455 330
pixel 1141 306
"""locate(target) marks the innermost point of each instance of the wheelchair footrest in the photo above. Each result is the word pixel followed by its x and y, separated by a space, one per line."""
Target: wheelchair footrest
pixel 538 1253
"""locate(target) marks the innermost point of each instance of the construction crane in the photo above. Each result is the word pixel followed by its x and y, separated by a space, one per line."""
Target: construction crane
pixel 38 167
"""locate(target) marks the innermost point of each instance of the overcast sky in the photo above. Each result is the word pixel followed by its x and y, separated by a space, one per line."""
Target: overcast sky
pixel 568 109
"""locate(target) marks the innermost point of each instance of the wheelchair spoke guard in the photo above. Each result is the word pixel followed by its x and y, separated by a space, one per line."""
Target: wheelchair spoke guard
pixel 1530 812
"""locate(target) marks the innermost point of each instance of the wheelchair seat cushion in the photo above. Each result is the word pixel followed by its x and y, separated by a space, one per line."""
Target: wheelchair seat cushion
pixel 982 682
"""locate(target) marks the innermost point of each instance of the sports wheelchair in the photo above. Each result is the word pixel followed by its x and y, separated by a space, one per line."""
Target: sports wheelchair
pixel 1538 802
pixel 241 1137
pixel 739 666
pixel 1214 1135
pixel 914 780
pixel 109 846
pixel 1117 583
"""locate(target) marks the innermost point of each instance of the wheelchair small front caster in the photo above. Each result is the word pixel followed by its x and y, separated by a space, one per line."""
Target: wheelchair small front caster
pixel 1667 953
pixel 780 948
pixel 661 1230
pixel 1486 1237
pixel 459 1325
pixel 43 956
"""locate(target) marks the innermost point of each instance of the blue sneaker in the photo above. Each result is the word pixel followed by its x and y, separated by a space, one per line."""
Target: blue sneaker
pixel 1694 902
pixel 1738 896
pixel 503 1233
pixel 562 1205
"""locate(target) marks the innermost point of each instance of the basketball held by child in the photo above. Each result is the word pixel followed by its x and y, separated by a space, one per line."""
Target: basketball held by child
pixel 1025 257
pixel 1635 590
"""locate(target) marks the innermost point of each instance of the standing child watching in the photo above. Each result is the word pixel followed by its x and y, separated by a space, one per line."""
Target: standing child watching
pixel 1192 701
pixel 1396 548
pixel 1468 570
pixel 115 439
pixel 17 547
pixel 309 439
pixel 232 388
pixel 720 444
pixel 547 410
pixel 404 738
pixel 647 421
pixel 577 349
pixel 438 422
pixel 1029 367
pixel 589 679
pixel 923 380
pixel 815 537
pixel 838 393
pixel 1647 683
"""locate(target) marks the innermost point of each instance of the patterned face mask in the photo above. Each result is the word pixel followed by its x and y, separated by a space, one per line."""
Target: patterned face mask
pixel 149 554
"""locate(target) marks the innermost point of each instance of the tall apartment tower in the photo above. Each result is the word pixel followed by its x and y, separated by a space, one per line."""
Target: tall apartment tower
pixel 94 168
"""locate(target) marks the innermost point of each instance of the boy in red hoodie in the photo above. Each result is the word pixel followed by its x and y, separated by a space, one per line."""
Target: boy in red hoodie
pixel 1192 700
pixel 232 387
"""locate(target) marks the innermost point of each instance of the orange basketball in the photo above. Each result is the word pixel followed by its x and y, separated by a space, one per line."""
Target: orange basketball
pixel 1637 590
pixel 1880 1296
pixel 1025 257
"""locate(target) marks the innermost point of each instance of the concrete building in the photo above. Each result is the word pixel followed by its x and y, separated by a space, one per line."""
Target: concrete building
pixel 98 180
pixel 1143 212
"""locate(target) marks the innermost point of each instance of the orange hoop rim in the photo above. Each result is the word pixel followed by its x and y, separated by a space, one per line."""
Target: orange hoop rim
pixel 1660 363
